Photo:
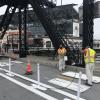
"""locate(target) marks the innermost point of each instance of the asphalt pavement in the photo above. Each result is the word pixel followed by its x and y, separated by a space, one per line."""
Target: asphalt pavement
pixel 16 88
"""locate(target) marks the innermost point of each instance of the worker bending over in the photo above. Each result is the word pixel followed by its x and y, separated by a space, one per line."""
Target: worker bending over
pixel 89 58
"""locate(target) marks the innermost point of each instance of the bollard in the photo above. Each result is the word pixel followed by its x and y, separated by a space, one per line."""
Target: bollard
pixel 9 65
pixel 79 84
pixel 9 73
pixel 38 79
pixel 38 74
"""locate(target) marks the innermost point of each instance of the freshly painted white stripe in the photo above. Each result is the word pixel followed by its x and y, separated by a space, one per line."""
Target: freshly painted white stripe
pixel 18 62
pixel 46 86
pixel 45 96
pixel 67 84
pixel 96 79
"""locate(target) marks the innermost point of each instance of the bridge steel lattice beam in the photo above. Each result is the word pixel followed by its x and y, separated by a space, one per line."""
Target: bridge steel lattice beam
pixel 7 21
pixel 88 15
pixel 47 23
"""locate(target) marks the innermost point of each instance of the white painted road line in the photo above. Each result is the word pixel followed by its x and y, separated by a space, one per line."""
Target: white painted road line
pixel 18 62
pixel 96 79
pixel 3 64
pixel 46 86
pixel 67 84
pixel 45 96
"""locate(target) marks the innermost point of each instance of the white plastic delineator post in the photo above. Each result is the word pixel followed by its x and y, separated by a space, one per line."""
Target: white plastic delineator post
pixel 38 74
pixel 9 73
pixel 79 84
pixel 38 79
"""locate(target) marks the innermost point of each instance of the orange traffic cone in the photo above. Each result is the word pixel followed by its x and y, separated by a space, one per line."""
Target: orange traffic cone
pixel 28 69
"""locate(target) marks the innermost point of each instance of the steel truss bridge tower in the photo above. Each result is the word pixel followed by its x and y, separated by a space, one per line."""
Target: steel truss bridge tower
pixel 88 16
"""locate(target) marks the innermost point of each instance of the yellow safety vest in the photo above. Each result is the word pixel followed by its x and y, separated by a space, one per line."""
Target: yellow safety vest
pixel 89 56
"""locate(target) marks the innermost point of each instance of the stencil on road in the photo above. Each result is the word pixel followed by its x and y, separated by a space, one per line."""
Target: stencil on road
pixel 96 79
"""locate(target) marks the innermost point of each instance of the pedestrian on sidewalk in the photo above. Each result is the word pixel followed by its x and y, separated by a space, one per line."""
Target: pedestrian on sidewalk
pixel 89 59
pixel 61 53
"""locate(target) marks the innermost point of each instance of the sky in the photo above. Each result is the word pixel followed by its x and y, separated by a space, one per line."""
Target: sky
pixel 79 2
pixel 64 2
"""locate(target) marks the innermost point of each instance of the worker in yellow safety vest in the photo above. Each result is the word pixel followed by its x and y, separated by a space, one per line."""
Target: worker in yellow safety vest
pixel 61 53
pixel 89 59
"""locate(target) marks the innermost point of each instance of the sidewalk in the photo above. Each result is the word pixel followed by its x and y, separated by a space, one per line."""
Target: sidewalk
pixel 49 61
pixel 35 59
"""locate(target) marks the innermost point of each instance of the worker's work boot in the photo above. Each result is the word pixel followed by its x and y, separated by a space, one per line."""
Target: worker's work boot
pixel 88 83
